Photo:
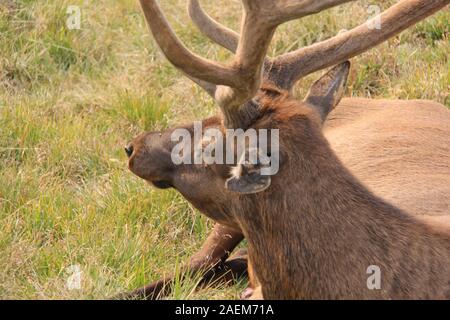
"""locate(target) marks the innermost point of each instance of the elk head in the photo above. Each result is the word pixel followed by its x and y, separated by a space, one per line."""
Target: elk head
pixel 253 92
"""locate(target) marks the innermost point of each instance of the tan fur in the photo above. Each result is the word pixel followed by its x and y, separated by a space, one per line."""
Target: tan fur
pixel 399 149
pixel 398 160
pixel 318 229
pixel 257 294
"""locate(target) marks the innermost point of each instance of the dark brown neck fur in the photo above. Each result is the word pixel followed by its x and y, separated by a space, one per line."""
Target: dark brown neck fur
pixel 316 230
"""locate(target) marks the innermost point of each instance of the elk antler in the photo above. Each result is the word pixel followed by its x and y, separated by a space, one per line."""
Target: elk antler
pixel 238 82
pixel 288 68
pixel 285 70
pixel 220 34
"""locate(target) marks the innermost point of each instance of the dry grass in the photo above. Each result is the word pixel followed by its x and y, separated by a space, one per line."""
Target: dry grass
pixel 69 101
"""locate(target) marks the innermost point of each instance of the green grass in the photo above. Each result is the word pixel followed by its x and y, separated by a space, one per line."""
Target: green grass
pixel 69 101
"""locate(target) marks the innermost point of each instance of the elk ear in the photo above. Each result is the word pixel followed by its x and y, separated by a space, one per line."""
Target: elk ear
pixel 248 178
pixel 327 92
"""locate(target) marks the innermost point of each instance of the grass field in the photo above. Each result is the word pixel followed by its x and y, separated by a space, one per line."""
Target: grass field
pixel 71 99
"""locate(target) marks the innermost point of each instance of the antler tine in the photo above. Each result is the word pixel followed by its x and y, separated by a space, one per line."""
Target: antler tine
pixel 188 62
pixel 260 20
pixel 294 9
pixel 288 68
pixel 207 86
pixel 217 32
pixel 236 83
pixel 229 39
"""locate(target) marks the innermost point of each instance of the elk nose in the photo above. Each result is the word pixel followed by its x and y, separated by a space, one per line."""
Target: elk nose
pixel 129 150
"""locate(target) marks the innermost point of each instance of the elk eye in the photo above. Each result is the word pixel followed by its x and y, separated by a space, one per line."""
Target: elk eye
pixel 129 150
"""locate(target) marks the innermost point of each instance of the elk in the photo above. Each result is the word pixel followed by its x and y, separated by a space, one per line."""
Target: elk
pixel 316 227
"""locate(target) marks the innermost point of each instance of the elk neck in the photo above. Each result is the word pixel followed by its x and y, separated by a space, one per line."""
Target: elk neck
pixel 319 229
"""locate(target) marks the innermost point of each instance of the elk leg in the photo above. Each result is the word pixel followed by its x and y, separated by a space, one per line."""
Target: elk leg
pixel 211 260
pixel 227 271
pixel 252 291
pixel 220 243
